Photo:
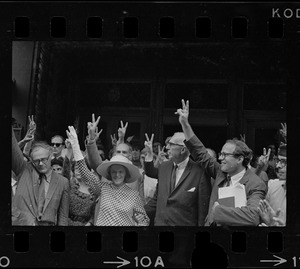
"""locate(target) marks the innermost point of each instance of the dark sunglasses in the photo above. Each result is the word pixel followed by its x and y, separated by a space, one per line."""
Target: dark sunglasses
pixel 56 144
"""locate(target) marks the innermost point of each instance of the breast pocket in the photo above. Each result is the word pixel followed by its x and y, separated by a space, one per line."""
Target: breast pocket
pixel 188 198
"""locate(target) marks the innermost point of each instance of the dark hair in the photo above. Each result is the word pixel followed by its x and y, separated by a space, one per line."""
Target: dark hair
pixel 63 140
pixel 241 149
pixel 59 161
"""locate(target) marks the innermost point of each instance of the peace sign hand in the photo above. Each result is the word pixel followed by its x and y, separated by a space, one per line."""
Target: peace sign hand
pixel 161 156
pixel 149 143
pixel 113 140
pixel 32 124
pixel 183 112
pixel 264 159
pixel 93 129
pixel 122 130
pixel 283 130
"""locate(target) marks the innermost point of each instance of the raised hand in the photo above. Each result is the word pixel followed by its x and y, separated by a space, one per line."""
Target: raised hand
pixel 264 159
pixel 243 137
pixel 283 131
pixel 149 143
pixel 113 140
pixel 72 135
pixel 122 131
pixel 183 112
pixel 93 128
pixel 161 156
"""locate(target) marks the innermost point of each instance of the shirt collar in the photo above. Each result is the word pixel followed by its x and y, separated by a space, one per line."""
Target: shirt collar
pixel 183 164
pixel 236 178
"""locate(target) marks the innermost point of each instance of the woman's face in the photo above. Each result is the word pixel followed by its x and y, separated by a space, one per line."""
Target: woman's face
pixel 118 174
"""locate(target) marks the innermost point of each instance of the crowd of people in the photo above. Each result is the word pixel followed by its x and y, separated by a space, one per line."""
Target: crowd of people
pixel 176 183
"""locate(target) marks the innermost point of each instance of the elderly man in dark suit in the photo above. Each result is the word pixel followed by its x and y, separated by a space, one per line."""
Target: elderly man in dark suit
pixel 42 195
pixel 183 190
pixel 232 170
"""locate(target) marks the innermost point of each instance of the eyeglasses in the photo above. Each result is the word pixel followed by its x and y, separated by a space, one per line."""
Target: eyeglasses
pixel 224 155
pixel 283 162
pixel 56 144
pixel 43 160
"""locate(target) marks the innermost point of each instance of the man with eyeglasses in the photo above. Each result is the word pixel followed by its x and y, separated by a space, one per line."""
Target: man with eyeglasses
pixel 273 209
pixel 183 190
pixel 42 195
pixel 232 170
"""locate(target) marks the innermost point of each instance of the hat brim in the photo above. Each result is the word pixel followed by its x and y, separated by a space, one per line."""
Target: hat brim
pixel 134 172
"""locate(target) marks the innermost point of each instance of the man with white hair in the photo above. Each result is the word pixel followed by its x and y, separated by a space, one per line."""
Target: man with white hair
pixel 183 190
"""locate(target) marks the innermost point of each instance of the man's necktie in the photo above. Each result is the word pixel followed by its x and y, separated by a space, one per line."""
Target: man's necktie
pixel 227 181
pixel 41 200
pixel 173 177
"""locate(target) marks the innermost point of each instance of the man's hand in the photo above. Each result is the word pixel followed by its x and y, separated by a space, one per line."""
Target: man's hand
pixel 267 213
pixel 161 156
pixel 283 131
pixel 183 112
pixel 243 137
pixel 149 143
pixel 122 132
pixel 32 124
pixel 113 140
pixel 93 128
pixel 263 160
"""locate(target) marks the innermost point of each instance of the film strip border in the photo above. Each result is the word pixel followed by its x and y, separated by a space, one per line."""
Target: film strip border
pixel 164 23
pixel 205 22
pixel 131 248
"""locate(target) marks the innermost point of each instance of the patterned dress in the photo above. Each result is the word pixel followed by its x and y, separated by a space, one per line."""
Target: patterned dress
pixel 118 205
pixel 82 205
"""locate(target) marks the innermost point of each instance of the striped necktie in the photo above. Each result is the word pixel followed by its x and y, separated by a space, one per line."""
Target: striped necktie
pixel 173 178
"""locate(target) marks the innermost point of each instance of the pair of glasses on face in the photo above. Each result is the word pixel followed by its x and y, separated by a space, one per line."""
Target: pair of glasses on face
pixel 43 160
pixel 224 155
pixel 56 144
pixel 281 161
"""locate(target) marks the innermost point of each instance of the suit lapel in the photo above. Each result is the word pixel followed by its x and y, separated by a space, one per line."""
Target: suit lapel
pixel 51 190
pixel 245 178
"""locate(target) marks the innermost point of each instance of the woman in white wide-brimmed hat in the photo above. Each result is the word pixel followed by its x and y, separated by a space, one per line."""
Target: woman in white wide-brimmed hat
pixel 120 205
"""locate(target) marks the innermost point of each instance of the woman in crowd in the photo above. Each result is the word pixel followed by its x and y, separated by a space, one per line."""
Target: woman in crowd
pixel 82 199
pixel 120 205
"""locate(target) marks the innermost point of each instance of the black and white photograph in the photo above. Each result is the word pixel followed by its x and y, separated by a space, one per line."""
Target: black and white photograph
pixel 178 122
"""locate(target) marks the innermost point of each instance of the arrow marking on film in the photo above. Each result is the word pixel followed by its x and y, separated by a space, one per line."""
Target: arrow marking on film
pixel 122 262
pixel 280 261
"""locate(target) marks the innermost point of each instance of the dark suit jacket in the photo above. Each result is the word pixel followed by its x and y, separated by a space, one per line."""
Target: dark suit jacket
pixel 254 186
pixel 25 201
pixel 181 207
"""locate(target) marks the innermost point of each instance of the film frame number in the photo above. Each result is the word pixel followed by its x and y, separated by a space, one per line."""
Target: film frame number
pixel 295 261
pixel 146 261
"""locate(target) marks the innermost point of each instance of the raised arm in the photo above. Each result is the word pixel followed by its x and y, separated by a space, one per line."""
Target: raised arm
pixel 87 176
pixel 194 145
pixel 17 159
pixel 92 151
pixel 150 170
pixel 122 133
